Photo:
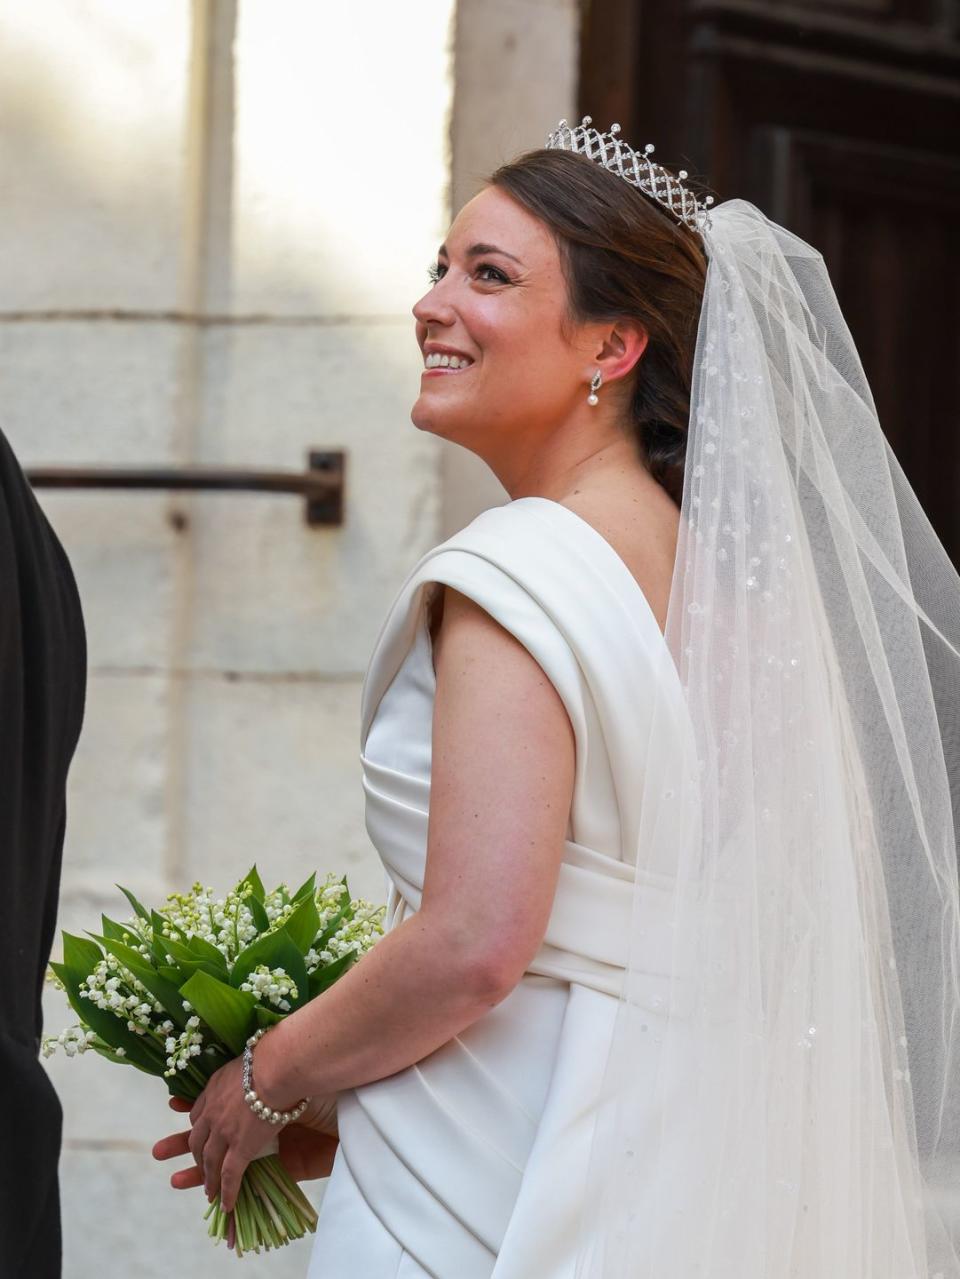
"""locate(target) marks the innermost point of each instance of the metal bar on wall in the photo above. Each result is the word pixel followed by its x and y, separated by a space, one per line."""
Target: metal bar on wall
pixel 320 485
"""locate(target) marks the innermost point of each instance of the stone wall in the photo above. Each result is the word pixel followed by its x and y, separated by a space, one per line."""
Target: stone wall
pixel 217 216
pixel 216 219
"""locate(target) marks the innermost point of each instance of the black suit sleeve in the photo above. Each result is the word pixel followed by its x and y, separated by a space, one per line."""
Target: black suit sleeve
pixel 42 688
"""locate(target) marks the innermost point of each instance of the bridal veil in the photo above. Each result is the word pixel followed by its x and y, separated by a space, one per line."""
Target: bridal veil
pixel 804 1122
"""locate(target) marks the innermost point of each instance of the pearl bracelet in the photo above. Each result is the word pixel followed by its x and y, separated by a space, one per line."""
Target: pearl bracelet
pixel 250 1097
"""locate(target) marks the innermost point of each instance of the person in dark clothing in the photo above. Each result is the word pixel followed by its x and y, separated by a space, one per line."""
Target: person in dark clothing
pixel 43 665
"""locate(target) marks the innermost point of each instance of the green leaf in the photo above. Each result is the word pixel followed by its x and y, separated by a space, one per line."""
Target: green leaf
pixel 159 987
pixel 80 954
pixel 261 919
pixel 205 950
pixel 111 929
pixel 228 1012
pixel 307 889
pixel 304 924
pixel 191 962
pixel 138 909
pixel 323 978
pixel 268 1016
pixel 252 878
pixel 276 950
pixel 179 1085
pixel 127 1060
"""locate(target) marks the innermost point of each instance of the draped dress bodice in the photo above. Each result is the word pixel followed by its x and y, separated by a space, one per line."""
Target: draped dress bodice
pixel 471 1162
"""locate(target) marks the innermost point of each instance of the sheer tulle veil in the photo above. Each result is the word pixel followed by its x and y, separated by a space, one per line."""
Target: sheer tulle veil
pixel 782 1100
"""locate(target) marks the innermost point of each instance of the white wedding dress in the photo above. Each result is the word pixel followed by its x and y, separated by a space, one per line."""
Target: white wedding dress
pixel 471 1163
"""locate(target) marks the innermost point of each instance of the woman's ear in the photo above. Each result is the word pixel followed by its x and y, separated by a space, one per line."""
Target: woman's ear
pixel 620 349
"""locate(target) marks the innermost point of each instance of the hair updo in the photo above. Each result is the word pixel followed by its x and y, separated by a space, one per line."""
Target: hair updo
pixel 624 257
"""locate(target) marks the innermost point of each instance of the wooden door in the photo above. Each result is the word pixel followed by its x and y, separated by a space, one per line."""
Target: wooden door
pixel 841 119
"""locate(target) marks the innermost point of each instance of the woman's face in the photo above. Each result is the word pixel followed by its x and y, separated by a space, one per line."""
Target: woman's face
pixel 497 303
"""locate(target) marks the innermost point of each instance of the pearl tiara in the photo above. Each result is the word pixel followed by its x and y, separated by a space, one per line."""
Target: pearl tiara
pixel 639 170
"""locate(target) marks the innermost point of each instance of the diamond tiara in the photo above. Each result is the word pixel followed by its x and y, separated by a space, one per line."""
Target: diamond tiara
pixel 639 170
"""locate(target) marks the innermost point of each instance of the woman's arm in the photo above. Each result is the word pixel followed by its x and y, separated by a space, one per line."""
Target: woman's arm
pixel 501 786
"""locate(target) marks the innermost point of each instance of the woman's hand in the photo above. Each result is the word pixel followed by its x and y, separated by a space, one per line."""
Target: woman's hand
pixel 226 1135
pixel 307 1147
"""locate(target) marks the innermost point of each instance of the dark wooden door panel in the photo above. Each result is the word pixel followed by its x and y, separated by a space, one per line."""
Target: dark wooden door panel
pixel 841 119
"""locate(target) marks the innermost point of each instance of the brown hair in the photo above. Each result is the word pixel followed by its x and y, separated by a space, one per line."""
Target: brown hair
pixel 624 256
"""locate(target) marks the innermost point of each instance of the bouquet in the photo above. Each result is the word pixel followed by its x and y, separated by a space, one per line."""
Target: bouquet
pixel 176 992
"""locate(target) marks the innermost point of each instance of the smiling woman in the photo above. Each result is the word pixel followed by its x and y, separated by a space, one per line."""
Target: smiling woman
pixel 661 793
pixel 466 1048
pixel 532 285
pixel 491 758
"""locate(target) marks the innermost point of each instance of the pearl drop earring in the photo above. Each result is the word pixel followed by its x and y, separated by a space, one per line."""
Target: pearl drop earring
pixel 593 398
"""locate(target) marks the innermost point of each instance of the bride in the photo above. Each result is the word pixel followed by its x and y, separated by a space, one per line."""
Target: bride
pixel 659 757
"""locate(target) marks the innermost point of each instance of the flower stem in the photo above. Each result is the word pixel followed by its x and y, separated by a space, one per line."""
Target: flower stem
pixel 275 1218
pixel 264 1226
pixel 290 1189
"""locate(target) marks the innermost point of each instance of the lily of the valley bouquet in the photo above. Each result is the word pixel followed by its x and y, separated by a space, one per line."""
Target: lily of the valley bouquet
pixel 177 992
